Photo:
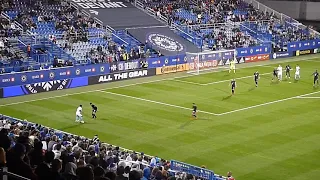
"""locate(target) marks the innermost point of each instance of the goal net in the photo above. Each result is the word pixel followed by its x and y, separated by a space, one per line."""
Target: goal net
pixel 206 61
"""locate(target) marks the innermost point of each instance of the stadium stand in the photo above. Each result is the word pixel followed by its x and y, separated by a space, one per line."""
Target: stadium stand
pixel 61 35
pixel 227 24
pixel 38 152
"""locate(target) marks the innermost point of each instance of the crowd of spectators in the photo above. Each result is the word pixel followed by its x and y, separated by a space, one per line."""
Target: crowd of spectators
pixel 40 153
pixel 227 11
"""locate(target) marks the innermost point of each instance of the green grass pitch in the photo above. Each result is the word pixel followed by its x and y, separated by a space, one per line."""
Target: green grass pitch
pixel 267 133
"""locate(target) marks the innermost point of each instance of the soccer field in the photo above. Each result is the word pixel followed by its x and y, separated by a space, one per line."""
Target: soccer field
pixel 270 132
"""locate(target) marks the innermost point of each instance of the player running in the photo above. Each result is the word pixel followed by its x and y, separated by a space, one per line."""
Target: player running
pixel 233 86
pixel 232 66
pixel 279 70
pixel 275 74
pixel 297 74
pixel 315 78
pixel 194 110
pixel 94 110
pixel 288 68
pixel 79 114
pixel 256 77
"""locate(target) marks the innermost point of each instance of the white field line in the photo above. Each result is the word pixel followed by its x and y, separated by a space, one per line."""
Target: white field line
pixel 134 84
pixel 267 103
pixel 155 102
pixel 310 97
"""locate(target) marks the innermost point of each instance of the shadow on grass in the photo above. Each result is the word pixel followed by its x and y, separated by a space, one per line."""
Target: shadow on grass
pixel 226 98
pixel 65 128
pixel 251 89
pixel 189 122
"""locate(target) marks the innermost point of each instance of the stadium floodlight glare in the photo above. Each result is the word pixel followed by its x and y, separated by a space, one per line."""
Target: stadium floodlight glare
pixel 209 60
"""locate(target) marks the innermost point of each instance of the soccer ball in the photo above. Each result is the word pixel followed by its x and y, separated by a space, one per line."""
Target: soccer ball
pixel 81 122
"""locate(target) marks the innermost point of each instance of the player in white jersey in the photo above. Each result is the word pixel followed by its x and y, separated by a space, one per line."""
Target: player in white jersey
pixel 79 114
pixel 279 69
pixel 297 74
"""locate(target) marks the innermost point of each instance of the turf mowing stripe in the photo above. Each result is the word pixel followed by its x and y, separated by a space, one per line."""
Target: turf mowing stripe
pixel 264 104
pixel 188 82
pixel 244 77
pixel 156 102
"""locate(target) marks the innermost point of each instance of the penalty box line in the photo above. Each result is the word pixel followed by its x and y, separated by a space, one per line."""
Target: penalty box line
pixel 155 102
pixel 267 103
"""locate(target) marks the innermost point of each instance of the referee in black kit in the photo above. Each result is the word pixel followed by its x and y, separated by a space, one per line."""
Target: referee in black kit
pixel 94 110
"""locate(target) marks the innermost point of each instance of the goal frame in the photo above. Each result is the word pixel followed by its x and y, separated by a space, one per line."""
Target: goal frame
pixel 196 60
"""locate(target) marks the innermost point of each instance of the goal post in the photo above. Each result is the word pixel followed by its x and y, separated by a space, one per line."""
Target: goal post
pixel 209 60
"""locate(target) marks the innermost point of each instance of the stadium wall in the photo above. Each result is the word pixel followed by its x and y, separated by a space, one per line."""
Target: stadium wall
pixel 19 84
pixel 296 9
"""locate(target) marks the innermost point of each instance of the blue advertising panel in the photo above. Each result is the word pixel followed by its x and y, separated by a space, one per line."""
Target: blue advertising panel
pixel 278 55
pixel 44 87
pixel 190 169
pixel 15 79
pixel 252 51
pixel 166 61
pixel 119 66
pixel 303 45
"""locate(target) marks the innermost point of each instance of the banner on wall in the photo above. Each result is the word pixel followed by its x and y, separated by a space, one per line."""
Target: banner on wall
pixel 281 55
pixel 20 78
pixel 112 77
pixel 252 51
pixel 304 52
pixel 119 66
pixel 303 45
pixel 46 86
pixel 257 58
pixel 172 69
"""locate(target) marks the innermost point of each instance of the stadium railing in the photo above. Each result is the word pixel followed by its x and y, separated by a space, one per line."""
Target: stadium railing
pixel 5 175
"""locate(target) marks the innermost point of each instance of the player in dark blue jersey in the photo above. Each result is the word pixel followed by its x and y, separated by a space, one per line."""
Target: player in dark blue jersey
pixel 233 86
pixel 315 78
pixel 194 110
pixel 256 77
pixel 275 74
pixel 94 110
pixel 288 68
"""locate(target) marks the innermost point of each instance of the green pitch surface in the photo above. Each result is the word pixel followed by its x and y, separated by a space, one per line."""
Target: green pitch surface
pixel 267 133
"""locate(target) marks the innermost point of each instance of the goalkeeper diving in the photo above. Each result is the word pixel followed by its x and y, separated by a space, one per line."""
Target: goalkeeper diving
pixel 232 66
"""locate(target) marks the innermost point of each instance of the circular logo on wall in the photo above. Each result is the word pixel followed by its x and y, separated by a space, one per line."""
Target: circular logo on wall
pixel 274 55
pixel 102 69
pixel 165 42
pixel 251 51
pixel 236 52
pixel 23 78
pixel 51 75
pixel 166 61
pixel 78 71
pixel 185 59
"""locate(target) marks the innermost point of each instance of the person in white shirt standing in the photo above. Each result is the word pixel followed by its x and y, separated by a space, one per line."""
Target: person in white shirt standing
pixel 297 74
pixel 280 73
pixel 79 114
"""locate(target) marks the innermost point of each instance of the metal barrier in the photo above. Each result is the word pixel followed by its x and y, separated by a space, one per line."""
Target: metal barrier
pixel 5 175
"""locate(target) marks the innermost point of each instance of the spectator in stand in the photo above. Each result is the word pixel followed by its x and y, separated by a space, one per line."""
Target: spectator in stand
pixel 43 169
pixel 16 163
pixel 3 160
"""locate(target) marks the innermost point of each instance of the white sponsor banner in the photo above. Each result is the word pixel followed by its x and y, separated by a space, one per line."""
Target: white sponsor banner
pixel 99 4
